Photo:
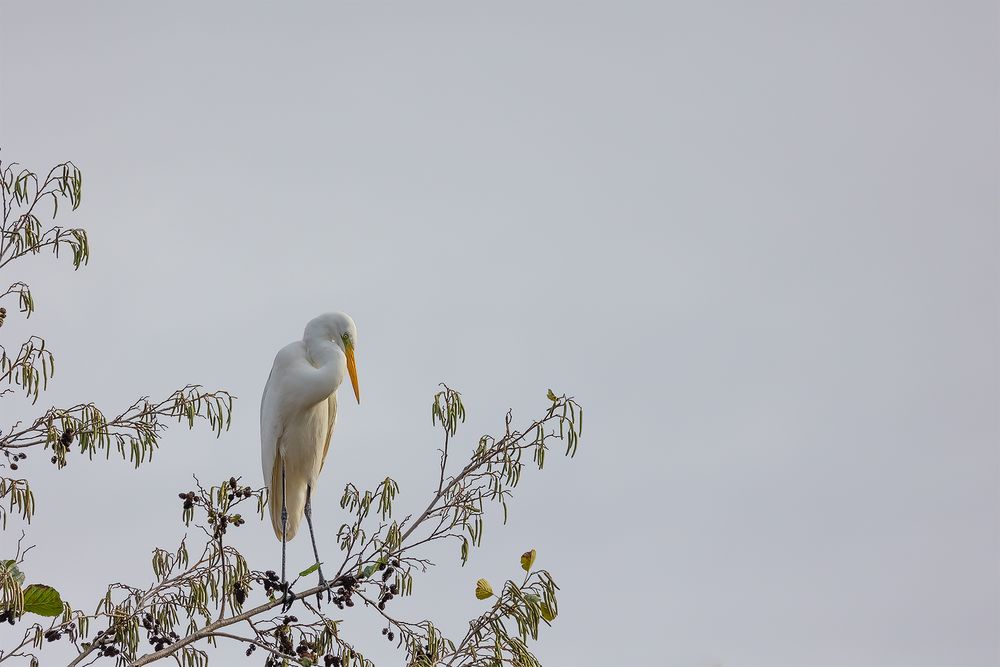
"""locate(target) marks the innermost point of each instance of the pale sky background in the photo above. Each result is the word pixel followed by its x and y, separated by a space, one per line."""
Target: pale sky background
pixel 758 241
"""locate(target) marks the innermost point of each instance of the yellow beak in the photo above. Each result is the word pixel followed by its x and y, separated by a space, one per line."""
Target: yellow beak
pixel 352 369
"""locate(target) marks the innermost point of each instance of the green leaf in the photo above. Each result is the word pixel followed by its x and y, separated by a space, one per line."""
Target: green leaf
pixel 42 600
pixel 9 566
pixel 309 570
pixel 551 396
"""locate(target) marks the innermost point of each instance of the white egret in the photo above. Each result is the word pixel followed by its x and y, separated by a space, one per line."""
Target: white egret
pixel 297 413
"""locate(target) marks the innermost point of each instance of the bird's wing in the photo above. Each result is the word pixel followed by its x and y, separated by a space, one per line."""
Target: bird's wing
pixel 273 411
pixel 270 429
pixel 331 404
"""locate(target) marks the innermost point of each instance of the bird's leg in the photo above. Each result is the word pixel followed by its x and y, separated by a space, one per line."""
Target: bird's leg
pixel 287 597
pixel 312 536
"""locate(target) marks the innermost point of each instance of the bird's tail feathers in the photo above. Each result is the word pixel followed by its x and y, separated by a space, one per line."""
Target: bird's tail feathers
pixel 295 502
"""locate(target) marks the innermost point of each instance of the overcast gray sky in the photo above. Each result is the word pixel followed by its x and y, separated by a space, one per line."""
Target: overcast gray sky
pixel 758 241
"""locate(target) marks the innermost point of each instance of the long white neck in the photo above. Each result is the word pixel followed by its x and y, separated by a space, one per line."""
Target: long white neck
pixel 330 363
pixel 322 351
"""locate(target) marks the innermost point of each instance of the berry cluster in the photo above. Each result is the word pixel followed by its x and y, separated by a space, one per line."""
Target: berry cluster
pixel 52 635
pixel 390 591
pixel 189 499
pixel 306 652
pixel 3 315
pixel 272 583
pixel 348 583
pixel 236 492
pixel 8 616
pixel 283 635
pixel 13 458
pixel 239 593
pixel 105 644
pixel 157 638
pixel 218 519
pixel 389 634
pixel 328 660
pixel 65 440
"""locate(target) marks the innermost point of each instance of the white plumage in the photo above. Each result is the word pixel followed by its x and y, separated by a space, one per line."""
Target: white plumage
pixel 299 409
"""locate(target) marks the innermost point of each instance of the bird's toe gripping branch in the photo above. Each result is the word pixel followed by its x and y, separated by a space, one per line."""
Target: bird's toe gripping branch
pixel 326 588
pixel 287 598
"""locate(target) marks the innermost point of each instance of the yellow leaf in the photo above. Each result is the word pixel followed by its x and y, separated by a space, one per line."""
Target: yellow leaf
pixel 527 560
pixel 547 613
pixel 483 589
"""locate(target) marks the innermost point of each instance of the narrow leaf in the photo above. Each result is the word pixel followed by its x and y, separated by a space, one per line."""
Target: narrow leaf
pixel 309 570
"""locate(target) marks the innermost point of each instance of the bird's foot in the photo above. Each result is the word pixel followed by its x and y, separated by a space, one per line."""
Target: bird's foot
pixel 326 587
pixel 287 597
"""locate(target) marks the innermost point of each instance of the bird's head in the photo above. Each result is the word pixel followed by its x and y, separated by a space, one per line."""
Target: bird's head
pixel 340 329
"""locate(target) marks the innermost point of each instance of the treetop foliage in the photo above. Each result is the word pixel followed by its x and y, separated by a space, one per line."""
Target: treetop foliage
pixel 203 591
